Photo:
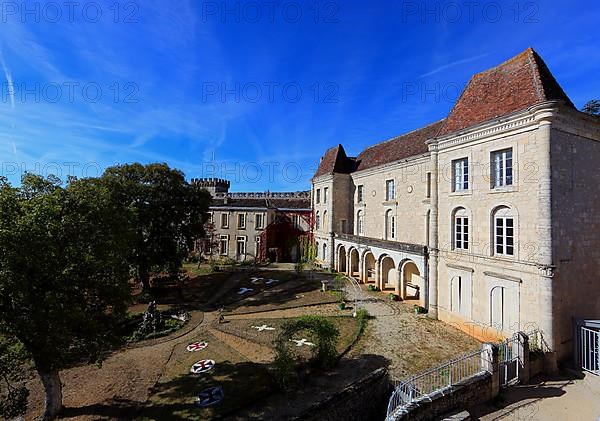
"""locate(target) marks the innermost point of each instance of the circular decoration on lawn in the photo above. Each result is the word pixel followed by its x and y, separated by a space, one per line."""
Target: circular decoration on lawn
pixel 210 396
pixel 202 366
pixel 197 346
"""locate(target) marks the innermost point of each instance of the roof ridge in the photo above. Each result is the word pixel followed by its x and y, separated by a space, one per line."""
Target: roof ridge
pixel 402 135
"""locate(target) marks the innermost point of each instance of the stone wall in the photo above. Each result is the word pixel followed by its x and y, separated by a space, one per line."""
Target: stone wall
pixel 365 399
pixel 473 391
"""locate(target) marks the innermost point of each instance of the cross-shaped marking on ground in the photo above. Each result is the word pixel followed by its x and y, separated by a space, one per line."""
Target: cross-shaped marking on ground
pixel 244 291
pixel 303 341
pixel 271 281
pixel 202 366
pixel 255 280
pixel 263 327
pixel 197 346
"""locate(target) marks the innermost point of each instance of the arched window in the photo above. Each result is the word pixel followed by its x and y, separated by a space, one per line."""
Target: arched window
pixel 390 225
pixel 497 308
pixel 324 251
pixel 318 221
pixel 317 249
pixel 504 231
pixel 460 227
pixel 325 221
pixel 359 223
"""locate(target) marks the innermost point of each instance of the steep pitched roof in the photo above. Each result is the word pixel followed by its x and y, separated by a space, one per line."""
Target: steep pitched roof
pixel 335 160
pixel 401 147
pixel 514 85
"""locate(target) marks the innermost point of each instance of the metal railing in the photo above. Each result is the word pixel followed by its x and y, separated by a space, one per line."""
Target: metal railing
pixel 446 375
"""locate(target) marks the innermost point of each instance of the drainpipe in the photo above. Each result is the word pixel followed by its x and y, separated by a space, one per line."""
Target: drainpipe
pixel 431 299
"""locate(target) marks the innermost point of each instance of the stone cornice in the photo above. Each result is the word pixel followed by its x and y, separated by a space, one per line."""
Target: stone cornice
pixel 521 121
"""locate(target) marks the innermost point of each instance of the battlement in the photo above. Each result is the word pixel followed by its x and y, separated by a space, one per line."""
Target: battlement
pixel 266 195
pixel 213 185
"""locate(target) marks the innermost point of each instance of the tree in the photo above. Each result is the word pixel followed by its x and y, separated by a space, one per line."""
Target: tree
pixel 63 274
pixel 592 107
pixel 168 214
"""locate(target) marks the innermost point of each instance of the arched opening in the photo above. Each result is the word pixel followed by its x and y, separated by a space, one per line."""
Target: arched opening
pixel 341 259
pixel 325 222
pixel 504 235
pixel 390 225
pixel 388 273
pixel 354 263
pixel 324 252
pixel 360 223
pixel 414 284
pixel 369 268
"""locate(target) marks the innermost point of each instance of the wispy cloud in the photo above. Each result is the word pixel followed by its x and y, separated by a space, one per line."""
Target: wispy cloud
pixel 453 64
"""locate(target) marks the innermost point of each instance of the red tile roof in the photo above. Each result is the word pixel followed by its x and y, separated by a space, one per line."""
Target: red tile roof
pixel 401 147
pixel 512 86
pixel 515 85
pixel 335 160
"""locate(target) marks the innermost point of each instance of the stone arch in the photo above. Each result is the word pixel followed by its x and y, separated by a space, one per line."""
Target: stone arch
pixel 413 282
pixel 354 262
pixel 504 210
pixel 388 272
pixel 369 267
pixel 341 259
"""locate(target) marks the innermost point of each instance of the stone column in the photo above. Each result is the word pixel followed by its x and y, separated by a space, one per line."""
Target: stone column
pixel 398 282
pixel 376 275
pixel 431 291
pixel 522 345
pixel 544 228
pixel 490 362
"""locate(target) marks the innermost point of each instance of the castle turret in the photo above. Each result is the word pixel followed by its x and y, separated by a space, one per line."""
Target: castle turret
pixel 213 185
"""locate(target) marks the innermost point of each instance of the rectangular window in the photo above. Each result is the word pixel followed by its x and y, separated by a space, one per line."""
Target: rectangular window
pixel 241 246
pixel 502 168
pixel 224 220
pixel 223 245
pixel 393 228
pixel 241 221
pixel 260 223
pixel 428 191
pixel 461 233
pixel 325 194
pixel 460 174
pixel 359 194
pixel 390 190
pixel 209 218
pixel 505 236
pixel 318 196
pixel 296 221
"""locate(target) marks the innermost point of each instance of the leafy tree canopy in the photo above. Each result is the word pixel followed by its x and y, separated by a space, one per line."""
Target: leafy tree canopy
pixel 592 107
pixel 168 214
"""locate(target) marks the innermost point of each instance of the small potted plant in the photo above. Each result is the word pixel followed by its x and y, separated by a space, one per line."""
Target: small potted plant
pixel 393 297
pixel 342 305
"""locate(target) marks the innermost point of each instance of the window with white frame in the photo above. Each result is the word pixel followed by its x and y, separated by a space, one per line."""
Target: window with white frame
pixel 325 194
pixel 260 221
pixel 318 221
pixel 360 223
pixel 241 221
pixel 224 220
pixel 460 174
pixel 359 194
pixel 223 245
pixel 461 229
pixel 390 190
pixel 318 196
pixel 502 168
pixel 504 232
pixel 325 221
pixel 240 246
pixel 390 222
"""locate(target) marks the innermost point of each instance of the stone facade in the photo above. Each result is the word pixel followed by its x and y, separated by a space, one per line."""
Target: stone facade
pixel 261 226
pixel 491 223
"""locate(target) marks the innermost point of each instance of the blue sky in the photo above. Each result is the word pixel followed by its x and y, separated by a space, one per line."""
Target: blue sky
pixel 256 91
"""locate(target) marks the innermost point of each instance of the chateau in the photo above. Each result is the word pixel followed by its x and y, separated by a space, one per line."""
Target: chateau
pixel 489 218
pixel 261 226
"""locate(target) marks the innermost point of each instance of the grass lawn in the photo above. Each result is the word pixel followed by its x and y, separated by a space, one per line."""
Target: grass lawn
pixel 173 398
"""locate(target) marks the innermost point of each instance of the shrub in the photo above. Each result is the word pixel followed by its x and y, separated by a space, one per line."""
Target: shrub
pixel 324 353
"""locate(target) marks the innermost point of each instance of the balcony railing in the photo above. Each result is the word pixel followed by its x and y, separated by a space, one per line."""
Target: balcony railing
pixel 385 244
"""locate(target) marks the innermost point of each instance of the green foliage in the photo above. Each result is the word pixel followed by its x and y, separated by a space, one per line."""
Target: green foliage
pixel 63 270
pixel 299 268
pixel 13 400
pixel 592 107
pixel 168 214
pixel 362 315
pixel 325 335
pixel 308 251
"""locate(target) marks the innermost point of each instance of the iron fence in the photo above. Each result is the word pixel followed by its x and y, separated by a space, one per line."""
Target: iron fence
pixel 436 379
